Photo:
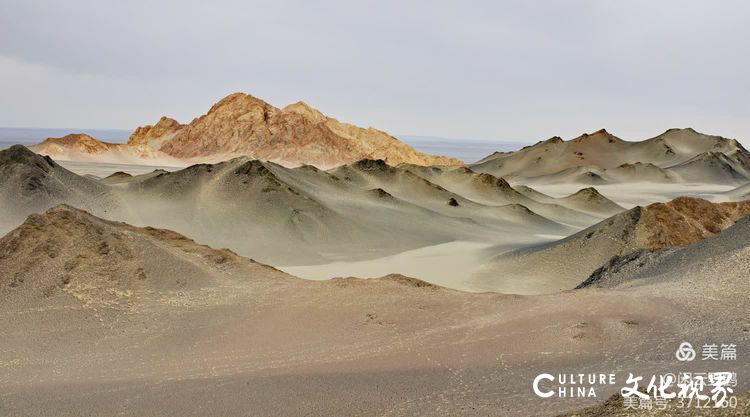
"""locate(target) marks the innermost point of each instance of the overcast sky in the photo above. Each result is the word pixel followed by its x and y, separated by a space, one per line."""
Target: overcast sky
pixel 504 70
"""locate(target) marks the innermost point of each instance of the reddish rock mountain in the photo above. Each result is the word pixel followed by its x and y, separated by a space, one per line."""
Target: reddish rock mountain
pixel 243 125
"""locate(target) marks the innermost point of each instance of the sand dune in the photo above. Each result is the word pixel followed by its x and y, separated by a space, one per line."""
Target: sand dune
pixel 137 321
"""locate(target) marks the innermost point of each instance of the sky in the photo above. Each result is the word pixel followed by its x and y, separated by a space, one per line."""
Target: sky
pixel 500 70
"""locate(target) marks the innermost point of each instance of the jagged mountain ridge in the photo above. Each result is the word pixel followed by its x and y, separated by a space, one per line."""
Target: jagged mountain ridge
pixel 243 125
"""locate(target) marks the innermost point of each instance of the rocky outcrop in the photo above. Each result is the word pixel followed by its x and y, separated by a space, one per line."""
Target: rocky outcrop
pixel 664 226
pixel 153 136
pixel 686 220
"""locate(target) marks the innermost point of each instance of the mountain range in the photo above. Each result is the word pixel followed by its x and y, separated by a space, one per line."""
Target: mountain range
pixel 243 125
pixel 677 155
pixel 370 209
pixel 300 215
pixel 177 290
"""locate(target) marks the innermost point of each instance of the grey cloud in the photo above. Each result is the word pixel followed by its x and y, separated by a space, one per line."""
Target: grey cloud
pixel 510 70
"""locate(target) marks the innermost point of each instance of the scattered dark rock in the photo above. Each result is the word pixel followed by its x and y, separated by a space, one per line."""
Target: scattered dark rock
pixel 103 248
